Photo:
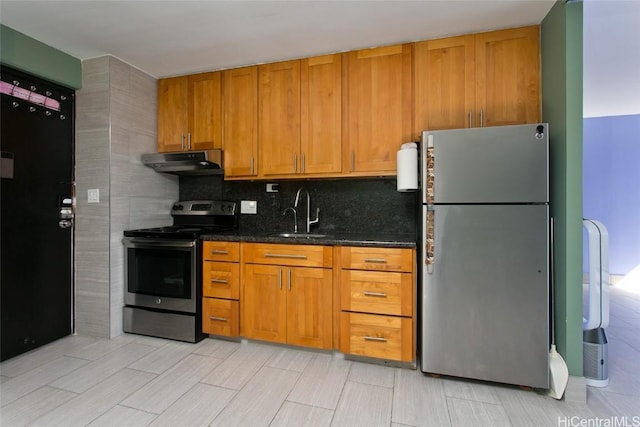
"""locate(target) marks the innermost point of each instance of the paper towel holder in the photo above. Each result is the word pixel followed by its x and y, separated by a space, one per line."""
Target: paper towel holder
pixel 407 167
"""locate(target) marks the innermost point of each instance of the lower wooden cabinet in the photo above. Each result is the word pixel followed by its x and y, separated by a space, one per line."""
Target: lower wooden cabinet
pixel 297 294
pixel 379 336
pixel 221 317
pixel 289 305
pixel 378 303
pixel 221 288
pixel 285 303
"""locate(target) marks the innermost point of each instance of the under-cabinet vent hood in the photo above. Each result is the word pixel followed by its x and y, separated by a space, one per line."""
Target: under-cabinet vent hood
pixel 205 162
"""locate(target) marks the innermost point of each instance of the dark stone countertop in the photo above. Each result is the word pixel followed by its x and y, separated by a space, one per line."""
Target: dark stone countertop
pixel 336 239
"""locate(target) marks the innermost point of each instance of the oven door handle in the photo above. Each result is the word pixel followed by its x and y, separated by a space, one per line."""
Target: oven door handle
pixel 156 243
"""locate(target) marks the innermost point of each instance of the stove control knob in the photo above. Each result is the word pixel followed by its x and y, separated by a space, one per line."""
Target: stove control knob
pixel 158 301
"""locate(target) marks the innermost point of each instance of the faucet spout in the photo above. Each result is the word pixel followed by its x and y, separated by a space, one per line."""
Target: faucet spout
pixel 308 221
pixel 295 217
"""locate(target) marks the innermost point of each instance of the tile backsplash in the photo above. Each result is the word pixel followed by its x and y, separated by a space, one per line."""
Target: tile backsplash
pixel 346 205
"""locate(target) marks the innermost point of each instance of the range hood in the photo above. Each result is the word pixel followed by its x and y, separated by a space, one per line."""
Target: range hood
pixel 205 162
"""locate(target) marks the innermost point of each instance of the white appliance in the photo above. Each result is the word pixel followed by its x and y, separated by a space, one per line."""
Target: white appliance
pixel 486 243
pixel 594 342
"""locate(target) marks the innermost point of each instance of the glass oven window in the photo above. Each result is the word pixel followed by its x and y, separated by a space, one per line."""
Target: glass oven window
pixel 164 273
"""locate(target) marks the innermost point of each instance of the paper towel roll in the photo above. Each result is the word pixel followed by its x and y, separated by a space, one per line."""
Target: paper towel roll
pixel 407 163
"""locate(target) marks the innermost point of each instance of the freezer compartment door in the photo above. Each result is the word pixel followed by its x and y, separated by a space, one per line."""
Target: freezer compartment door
pixel 505 164
pixel 485 299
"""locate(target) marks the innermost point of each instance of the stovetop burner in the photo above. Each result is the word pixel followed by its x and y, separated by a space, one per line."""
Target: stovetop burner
pixel 191 219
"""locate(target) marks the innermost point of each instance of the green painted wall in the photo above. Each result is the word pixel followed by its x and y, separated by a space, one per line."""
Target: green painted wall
pixel 24 53
pixel 561 45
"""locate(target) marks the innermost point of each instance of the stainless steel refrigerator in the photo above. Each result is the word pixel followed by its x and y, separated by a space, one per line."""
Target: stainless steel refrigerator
pixel 485 254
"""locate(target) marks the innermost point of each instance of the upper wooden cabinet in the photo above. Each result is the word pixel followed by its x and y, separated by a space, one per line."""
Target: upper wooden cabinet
pixel 300 117
pixel 508 76
pixel 321 114
pixel 279 117
pixel 240 122
pixel 378 101
pixel 485 79
pixel 445 83
pixel 189 113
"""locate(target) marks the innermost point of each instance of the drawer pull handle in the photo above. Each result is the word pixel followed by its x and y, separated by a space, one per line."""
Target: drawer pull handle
pixel 376 260
pixel 374 294
pixel 219 281
pixel 219 319
pixel 289 256
pixel 378 339
pixel 219 252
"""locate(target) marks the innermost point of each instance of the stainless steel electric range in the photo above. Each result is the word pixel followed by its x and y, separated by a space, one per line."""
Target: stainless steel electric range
pixel 163 270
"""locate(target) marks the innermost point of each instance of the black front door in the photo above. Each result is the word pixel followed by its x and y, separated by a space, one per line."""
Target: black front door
pixel 37 137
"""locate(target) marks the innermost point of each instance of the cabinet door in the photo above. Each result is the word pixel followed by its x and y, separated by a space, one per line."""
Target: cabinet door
pixel 444 84
pixel 173 108
pixel 378 102
pixel 205 130
pixel 240 124
pixel 321 115
pixel 263 308
pixel 508 76
pixel 309 302
pixel 279 118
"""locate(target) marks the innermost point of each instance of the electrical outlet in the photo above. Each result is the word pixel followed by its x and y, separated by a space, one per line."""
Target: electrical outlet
pixel 93 195
pixel 272 188
pixel 248 207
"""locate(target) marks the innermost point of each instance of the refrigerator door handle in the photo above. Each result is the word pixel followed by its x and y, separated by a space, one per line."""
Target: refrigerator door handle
pixel 429 175
pixel 429 230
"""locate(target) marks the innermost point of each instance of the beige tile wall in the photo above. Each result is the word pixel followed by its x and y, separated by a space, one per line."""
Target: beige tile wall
pixel 115 123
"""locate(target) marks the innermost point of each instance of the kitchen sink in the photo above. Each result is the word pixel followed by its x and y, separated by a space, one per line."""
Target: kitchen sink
pixel 299 235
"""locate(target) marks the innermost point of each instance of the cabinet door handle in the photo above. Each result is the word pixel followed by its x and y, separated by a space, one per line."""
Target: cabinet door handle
pixel 225 281
pixel 295 162
pixel 219 252
pixel 374 294
pixel 289 278
pixel 219 319
pixel 182 142
pixel 378 339
pixel 280 278
pixel 288 256
pixel 481 118
pixel 189 141
pixel 470 119
pixel 251 165
pixel 303 164
pixel 376 260
pixel 353 161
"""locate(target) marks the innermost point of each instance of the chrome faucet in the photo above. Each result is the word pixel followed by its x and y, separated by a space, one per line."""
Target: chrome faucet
pixel 295 217
pixel 309 222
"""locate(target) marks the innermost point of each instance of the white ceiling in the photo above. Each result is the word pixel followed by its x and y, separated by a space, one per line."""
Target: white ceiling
pixel 168 38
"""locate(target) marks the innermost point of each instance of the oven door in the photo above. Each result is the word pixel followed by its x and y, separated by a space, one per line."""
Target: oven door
pixel 161 274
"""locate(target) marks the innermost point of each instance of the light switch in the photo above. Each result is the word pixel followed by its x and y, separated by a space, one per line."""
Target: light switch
pixel 248 207
pixel 93 195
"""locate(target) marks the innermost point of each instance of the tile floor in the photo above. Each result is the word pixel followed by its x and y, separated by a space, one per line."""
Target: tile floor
pixel 140 381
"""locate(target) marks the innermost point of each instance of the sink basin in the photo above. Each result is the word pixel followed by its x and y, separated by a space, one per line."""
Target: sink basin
pixel 299 235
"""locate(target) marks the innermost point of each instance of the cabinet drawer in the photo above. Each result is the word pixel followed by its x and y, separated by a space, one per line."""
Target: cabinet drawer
pixel 294 255
pixel 382 259
pixel 221 251
pixel 371 335
pixel 378 292
pixel 220 317
pixel 221 279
